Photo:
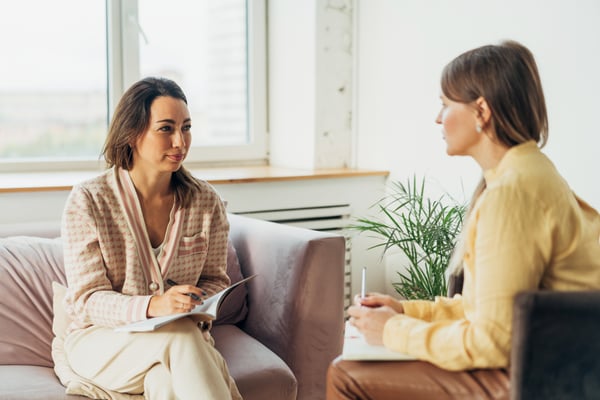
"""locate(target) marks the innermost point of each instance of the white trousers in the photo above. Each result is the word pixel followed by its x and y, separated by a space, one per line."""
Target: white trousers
pixel 177 361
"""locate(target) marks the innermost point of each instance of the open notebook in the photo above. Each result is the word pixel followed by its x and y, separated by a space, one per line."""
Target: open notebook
pixel 206 311
pixel 357 348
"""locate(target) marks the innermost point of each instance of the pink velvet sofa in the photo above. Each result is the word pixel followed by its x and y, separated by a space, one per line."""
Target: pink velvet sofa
pixel 277 347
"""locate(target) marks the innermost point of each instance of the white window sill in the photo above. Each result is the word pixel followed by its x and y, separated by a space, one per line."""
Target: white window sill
pixel 60 181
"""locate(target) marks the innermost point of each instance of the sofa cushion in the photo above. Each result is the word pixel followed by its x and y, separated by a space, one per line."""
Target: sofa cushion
pixel 258 372
pixel 234 307
pixel 61 320
pixel 28 266
pixel 28 382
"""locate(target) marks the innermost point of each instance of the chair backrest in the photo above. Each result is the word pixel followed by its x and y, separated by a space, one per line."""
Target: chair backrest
pixel 455 283
pixel 556 346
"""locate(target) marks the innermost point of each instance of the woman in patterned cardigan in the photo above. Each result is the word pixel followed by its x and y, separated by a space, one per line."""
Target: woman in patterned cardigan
pixel 142 222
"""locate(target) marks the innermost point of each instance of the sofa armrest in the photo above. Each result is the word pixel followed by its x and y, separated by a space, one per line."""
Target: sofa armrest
pixel 295 304
pixel 45 229
pixel 555 346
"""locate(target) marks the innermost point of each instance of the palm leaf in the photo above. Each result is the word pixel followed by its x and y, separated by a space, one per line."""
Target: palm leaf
pixel 424 229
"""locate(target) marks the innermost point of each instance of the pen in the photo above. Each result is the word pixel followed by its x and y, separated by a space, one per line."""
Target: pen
pixel 192 295
pixel 363 284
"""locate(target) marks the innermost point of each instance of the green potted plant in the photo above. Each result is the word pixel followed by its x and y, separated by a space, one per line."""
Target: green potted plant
pixel 425 230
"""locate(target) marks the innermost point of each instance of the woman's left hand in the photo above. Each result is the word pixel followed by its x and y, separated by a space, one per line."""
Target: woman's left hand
pixel 370 321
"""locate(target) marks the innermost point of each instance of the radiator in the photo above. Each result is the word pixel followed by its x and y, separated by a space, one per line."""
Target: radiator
pixel 329 218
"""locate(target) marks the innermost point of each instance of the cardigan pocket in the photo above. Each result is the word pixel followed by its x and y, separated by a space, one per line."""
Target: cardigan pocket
pixel 192 245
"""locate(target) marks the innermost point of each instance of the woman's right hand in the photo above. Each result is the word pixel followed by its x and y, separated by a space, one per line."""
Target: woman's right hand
pixel 175 300
pixel 379 300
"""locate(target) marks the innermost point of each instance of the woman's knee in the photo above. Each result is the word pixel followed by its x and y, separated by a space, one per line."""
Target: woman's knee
pixel 182 329
pixel 340 385
pixel 186 335
pixel 158 384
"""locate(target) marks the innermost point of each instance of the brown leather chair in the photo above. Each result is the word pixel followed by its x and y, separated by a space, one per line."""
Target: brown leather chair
pixel 556 346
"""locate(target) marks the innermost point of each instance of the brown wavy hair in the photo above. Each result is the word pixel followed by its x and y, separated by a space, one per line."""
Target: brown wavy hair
pixel 132 118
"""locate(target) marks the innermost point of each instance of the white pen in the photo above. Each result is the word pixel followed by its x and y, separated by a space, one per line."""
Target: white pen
pixel 363 284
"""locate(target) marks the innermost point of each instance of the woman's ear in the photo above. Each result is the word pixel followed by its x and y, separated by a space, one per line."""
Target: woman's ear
pixel 484 113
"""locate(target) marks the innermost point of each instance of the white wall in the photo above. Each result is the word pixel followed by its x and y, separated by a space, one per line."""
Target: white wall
pixel 310 83
pixel 291 31
pixel 403 46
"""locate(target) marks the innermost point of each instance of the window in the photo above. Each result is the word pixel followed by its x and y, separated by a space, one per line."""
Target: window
pixel 68 73
pixel 53 100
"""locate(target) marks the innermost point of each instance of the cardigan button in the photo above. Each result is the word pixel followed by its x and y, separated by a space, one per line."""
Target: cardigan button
pixel 153 286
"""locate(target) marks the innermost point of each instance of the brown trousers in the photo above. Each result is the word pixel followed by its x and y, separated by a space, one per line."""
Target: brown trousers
pixel 411 380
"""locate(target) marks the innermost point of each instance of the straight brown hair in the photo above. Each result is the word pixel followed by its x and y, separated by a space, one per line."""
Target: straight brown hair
pixel 507 77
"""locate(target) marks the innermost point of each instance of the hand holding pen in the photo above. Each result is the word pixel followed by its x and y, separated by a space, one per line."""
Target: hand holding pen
pixel 369 312
pixel 192 292
pixel 177 299
pixel 375 299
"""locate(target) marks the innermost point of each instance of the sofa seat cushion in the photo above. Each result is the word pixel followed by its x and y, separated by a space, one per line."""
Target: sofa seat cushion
pixel 29 382
pixel 258 372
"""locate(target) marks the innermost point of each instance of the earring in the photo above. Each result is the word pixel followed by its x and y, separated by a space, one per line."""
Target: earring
pixel 478 128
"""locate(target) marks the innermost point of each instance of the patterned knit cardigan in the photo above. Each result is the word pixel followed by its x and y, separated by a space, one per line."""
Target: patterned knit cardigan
pixel 111 268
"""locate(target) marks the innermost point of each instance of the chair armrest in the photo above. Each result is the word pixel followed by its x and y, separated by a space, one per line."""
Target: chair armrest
pixel 555 346
pixel 295 304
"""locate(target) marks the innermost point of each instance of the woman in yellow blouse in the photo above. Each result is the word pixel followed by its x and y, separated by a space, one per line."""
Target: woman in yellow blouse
pixel 525 228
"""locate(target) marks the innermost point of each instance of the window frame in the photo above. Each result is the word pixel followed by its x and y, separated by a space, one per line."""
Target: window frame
pixel 123 69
